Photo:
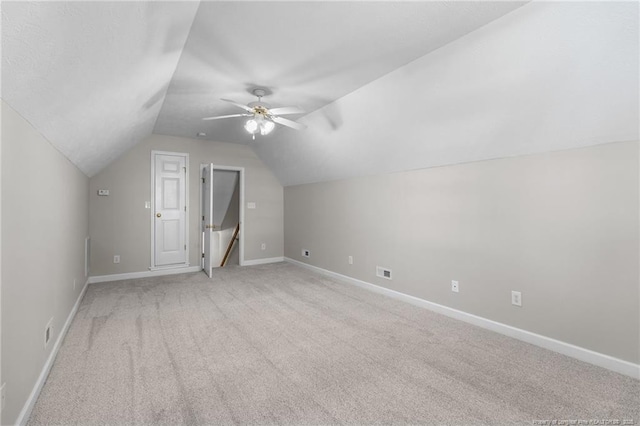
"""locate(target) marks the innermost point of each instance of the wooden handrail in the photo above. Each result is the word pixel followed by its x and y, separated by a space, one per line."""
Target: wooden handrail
pixel 230 246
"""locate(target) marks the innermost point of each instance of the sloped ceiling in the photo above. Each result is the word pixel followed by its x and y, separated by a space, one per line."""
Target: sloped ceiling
pixel 387 86
pixel 548 76
pixel 92 77
pixel 307 54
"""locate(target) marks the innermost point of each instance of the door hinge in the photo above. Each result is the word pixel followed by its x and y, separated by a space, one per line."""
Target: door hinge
pixel 185 246
pixel 202 217
pixel 185 169
pixel 185 208
pixel 203 255
pixel 202 180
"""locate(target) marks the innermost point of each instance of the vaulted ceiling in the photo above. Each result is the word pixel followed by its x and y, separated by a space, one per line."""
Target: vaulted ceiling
pixel 386 86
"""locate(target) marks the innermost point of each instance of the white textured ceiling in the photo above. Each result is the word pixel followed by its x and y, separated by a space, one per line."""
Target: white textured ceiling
pixel 388 86
pixel 307 54
pixel 548 76
pixel 91 76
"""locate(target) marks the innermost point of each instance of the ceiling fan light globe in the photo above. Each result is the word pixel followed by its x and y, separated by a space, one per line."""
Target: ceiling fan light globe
pixel 251 126
pixel 266 127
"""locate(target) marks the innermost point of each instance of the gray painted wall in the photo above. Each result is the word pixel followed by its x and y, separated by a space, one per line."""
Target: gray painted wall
pixel 232 216
pixel 44 223
pixel 560 227
pixel 120 224
pixel 1 378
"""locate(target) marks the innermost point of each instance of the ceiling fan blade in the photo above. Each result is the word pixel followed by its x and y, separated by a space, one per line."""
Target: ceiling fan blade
pixel 289 123
pixel 244 107
pixel 227 116
pixel 286 110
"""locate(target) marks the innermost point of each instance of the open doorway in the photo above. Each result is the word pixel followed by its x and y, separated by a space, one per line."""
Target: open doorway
pixel 222 194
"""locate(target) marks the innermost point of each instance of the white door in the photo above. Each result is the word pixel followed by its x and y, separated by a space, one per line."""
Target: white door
pixel 170 187
pixel 207 217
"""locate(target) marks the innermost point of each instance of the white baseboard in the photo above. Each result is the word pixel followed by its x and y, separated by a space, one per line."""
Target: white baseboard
pixel 262 261
pixel 596 358
pixel 144 274
pixel 23 417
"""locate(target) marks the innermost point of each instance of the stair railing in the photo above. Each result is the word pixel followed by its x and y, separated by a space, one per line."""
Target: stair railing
pixel 230 246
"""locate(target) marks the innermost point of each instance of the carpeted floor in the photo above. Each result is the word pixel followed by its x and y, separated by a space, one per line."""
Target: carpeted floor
pixel 277 344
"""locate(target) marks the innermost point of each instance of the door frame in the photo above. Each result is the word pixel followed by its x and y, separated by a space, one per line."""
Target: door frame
pixel 153 266
pixel 240 170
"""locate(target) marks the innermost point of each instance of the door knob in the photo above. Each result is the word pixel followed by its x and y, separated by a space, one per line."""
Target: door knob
pixel 158 214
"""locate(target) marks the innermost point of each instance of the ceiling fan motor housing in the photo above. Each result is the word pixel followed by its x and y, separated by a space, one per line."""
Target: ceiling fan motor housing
pixel 262 116
pixel 259 107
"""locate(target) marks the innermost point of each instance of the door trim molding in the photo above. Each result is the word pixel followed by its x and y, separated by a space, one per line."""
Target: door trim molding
pixel 152 266
pixel 240 170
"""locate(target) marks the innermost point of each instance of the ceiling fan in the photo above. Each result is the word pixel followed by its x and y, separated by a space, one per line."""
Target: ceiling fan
pixel 263 118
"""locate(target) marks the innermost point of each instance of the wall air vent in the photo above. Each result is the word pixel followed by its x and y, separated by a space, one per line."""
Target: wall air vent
pixel 383 272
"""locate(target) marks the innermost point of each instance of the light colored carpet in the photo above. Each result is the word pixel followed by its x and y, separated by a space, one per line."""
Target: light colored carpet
pixel 277 344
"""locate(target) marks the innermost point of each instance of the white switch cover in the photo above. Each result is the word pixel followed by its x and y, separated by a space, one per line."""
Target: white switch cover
pixel 116 258
pixel 264 246
pixel 147 204
pixel 350 260
pixel 455 287
pixel 103 192
pixel 251 205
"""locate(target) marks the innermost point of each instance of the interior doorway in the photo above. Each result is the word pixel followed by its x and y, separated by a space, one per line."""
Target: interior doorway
pixel 222 195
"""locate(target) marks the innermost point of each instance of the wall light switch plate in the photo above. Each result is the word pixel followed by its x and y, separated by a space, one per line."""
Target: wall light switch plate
pixel 350 260
pixel 103 192
pixel 251 205
pixel 455 287
pixel 263 246
pixel 116 258
pixel 147 204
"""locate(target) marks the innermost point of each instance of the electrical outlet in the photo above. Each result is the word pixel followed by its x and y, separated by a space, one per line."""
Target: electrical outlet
pixel 306 253
pixel 48 332
pixel 455 286
pixel 116 258
pixel 516 298
pixel 264 246
pixel 350 260
pixel 3 395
